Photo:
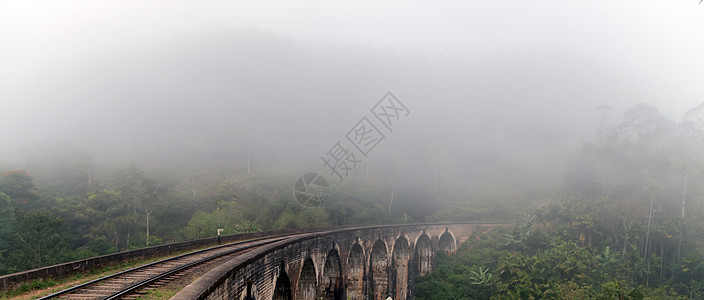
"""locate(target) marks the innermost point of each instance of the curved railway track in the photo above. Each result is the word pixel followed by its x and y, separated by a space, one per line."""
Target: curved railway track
pixel 132 283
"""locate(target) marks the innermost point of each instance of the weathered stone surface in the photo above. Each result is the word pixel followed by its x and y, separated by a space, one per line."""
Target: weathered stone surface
pixel 357 263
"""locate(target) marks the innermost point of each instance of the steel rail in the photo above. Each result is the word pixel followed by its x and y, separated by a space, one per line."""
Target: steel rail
pixel 180 268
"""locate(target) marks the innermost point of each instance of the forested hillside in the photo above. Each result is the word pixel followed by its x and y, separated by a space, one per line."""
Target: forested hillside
pixel 61 205
pixel 629 224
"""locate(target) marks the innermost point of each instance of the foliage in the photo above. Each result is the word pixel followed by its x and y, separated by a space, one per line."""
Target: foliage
pixel 562 269
pixel 628 224
pixel 19 187
pixel 39 239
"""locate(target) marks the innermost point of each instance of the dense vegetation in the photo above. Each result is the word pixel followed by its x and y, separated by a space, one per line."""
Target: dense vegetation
pixel 55 221
pixel 63 206
pixel 628 225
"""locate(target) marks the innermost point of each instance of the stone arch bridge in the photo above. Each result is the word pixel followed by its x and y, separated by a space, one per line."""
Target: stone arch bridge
pixel 368 263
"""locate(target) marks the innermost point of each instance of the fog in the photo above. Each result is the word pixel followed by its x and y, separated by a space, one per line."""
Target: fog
pixel 130 124
pixel 487 83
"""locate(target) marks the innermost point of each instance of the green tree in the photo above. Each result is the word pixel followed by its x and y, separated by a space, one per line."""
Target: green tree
pixel 201 225
pixel 7 218
pixel 19 187
pixel 40 239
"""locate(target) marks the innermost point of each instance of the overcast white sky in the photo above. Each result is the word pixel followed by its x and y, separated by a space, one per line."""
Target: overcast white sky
pixel 657 46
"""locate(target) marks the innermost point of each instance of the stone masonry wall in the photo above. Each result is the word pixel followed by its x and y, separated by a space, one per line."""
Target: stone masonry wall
pixel 339 269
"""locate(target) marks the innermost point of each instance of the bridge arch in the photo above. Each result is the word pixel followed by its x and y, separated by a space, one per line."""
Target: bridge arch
pixel 446 243
pixel 354 271
pixel 250 291
pixel 332 276
pixel 401 255
pixel 307 281
pixel 282 287
pixel 378 270
pixel 423 255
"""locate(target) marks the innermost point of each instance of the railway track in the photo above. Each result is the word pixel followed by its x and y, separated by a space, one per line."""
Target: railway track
pixel 133 283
